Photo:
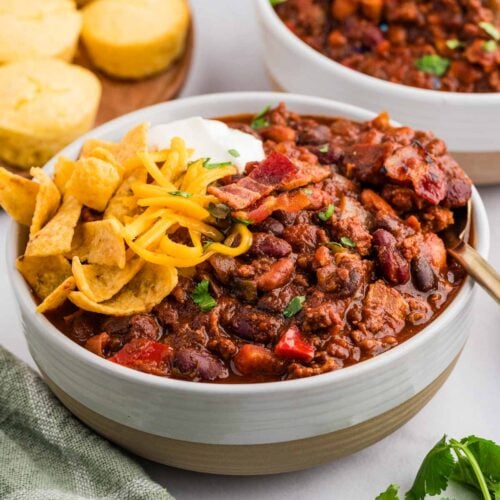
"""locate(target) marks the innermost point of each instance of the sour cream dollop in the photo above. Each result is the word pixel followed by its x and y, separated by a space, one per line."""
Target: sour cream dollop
pixel 210 139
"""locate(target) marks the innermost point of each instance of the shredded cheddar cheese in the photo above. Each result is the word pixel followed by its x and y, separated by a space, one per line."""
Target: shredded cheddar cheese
pixel 177 197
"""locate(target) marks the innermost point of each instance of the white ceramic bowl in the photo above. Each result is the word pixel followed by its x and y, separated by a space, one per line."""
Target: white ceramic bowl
pixel 469 123
pixel 247 428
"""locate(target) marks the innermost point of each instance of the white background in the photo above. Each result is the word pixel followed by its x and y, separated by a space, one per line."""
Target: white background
pixel 228 57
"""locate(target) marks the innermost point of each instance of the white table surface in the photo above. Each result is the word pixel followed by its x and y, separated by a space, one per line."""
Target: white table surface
pixel 227 58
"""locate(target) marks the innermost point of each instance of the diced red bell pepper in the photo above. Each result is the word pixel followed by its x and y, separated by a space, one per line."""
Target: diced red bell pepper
pixel 292 345
pixel 145 355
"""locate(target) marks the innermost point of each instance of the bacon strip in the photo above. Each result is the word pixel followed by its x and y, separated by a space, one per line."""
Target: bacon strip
pixel 286 201
pixel 276 172
pixel 412 164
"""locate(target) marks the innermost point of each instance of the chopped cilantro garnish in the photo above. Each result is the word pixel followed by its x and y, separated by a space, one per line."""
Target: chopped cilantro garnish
pixel 211 166
pixel 433 64
pixel 234 153
pixel 347 242
pixel 472 461
pixel 246 222
pixel 260 120
pixel 184 194
pixel 324 149
pixel 308 191
pixel 276 2
pixel 390 493
pixel 489 46
pixel 324 216
pixel 336 247
pixel 206 245
pixel 453 44
pixel 206 162
pixel 219 210
pixel 202 298
pixel 294 306
pixel 491 30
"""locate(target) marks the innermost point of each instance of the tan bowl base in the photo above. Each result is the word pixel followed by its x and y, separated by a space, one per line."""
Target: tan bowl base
pixel 253 459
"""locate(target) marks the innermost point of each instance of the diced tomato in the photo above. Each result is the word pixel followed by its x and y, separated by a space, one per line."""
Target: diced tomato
pixel 292 345
pixel 145 355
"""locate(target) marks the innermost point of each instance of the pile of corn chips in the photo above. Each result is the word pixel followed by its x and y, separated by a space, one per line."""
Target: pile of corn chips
pixel 99 228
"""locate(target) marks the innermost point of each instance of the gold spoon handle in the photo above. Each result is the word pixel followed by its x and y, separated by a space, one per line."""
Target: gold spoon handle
pixel 478 268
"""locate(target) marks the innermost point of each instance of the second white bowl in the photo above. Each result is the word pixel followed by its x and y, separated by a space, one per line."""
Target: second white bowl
pixel 469 123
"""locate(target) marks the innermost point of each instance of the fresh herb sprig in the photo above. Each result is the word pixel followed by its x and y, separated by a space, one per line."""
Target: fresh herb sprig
pixel 327 213
pixel 472 461
pixel 491 30
pixel 211 166
pixel 183 194
pixel 202 298
pixel 433 64
pixel 259 120
pixel 294 306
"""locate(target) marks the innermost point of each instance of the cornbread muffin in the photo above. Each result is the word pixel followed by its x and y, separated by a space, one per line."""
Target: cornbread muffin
pixel 38 28
pixel 44 105
pixel 133 39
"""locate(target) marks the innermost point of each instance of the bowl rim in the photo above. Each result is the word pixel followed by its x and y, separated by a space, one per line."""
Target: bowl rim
pixel 378 84
pixel 47 330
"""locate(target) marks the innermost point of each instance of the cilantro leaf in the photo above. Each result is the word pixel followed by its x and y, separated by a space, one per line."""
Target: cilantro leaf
pixel 335 247
pixel 211 166
pixel 489 46
pixel 433 64
pixel 234 153
pixel 478 464
pixel 347 242
pixel 260 121
pixel 219 210
pixel 246 222
pixel 453 43
pixel 491 30
pixel 201 296
pixel 390 493
pixel 276 2
pixel 294 306
pixel 432 477
pixel 324 216
pixel 324 149
pixel 183 194
pixel 206 245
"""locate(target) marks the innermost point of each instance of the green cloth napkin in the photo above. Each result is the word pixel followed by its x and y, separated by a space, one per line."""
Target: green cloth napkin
pixel 47 454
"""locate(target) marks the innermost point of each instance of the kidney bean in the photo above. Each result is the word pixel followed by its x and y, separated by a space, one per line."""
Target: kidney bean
pixel 199 364
pixel 251 324
pixel 278 133
pixel 255 359
pixel 315 134
pixel 392 264
pixel 268 245
pixel 279 274
pixel 270 225
pixel 423 275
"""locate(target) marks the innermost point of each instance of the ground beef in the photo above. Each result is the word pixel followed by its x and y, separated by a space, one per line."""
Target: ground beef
pixel 354 271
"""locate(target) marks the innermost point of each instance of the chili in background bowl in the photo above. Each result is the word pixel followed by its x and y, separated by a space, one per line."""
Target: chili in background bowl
pixel 468 122
pixel 246 428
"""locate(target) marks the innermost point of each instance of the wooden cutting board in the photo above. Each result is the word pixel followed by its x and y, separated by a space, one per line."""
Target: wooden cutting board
pixel 123 96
